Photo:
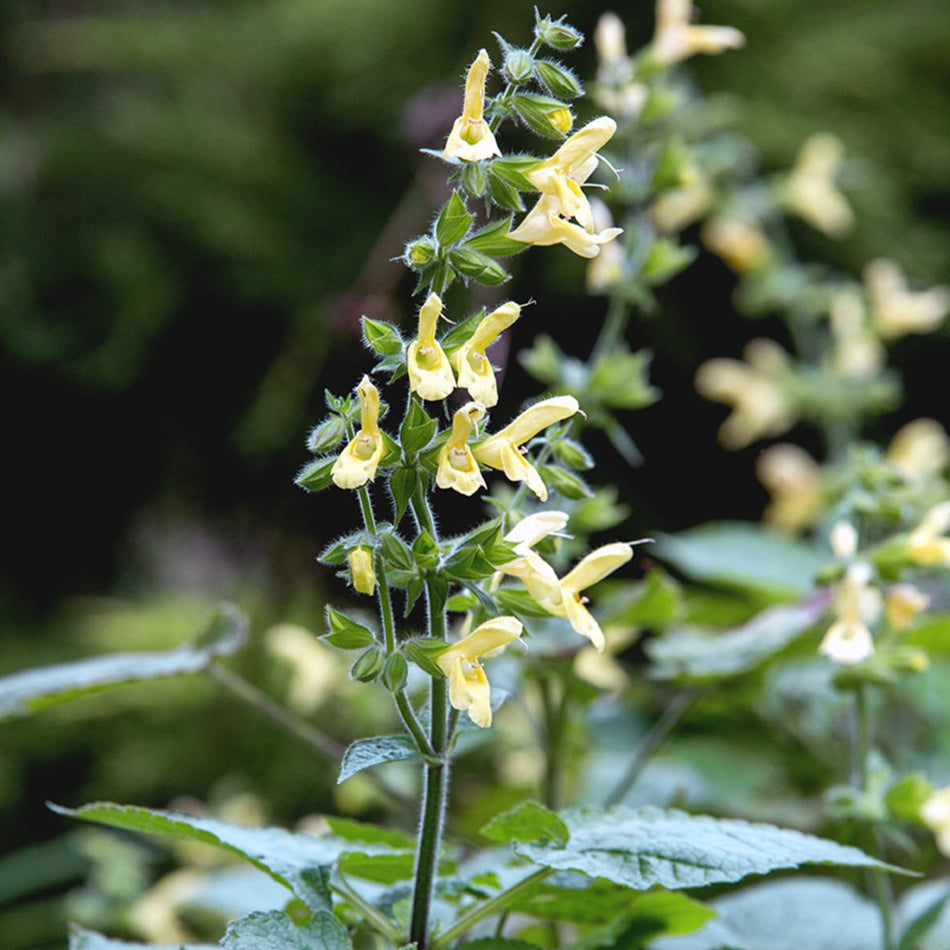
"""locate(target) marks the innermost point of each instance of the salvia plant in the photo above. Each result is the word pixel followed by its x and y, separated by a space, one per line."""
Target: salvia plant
pixel 810 628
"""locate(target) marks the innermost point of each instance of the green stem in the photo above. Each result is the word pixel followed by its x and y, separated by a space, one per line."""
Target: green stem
pixel 409 720
pixel 553 713
pixel 613 329
pixel 489 907
pixel 370 913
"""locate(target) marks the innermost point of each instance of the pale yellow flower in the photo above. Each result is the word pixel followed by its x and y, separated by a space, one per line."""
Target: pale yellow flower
pixel 469 689
pixel 529 567
pixel 471 139
pixel 600 667
pixel 928 544
pixel 430 373
pixel 678 207
pixel 919 450
pixel 474 370
pixel 314 668
pixel 760 408
pixel 858 352
pixel 739 241
pixel 811 192
pixel 897 310
pixel 793 479
pixel 902 604
pixel 848 640
pixel 935 814
pixel 501 451
pixel 607 267
pixel 563 214
pixel 362 574
pixel 677 38
pixel 616 92
pixel 457 466
pixel 357 463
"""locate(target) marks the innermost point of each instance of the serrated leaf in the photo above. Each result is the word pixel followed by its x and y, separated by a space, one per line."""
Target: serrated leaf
pixel 346 634
pixel 32 690
pixel 81 939
pixel 453 222
pixel 528 821
pixel 737 554
pixel 285 856
pixel 698 655
pixel 382 337
pixel 640 848
pixel 316 475
pixel 376 750
pixel 274 930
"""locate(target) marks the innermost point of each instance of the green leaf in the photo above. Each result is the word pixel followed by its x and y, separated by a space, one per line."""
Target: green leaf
pixel 423 650
pixel 657 602
pixel 417 429
pixel 462 332
pixel 403 482
pixel 274 930
pixel 288 858
pixel 81 939
pixel 665 259
pixel 742 555
pixel 640 848
pixel 698 655
pixel 817 913
pixel 346 634
pixel 382 337
pixel 493 239
pixel 365 833
pixel 381 868
pixel 425 551
pixel 621 379
pixel 528 821
pixel 519 602
pixel 316 475
pixel 495 943
pixel 376 750
pixel 395 551
pixel 512 169
pixel 453 221
pixel 508 197
pixel 32 690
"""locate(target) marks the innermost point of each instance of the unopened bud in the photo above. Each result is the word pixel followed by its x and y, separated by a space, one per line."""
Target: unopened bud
pixel 419 252
pixel 559 80
pixel 361 570
pixel 395 672
pixel 367 665
pixel 558 34
pixel 519 66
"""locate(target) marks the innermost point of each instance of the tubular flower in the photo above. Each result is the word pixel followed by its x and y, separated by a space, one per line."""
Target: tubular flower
pixel 896 310
pixel 471 140
pixel 457 466
pixel 529 567
pixel 430 374
pixel 848 640
pixel 475 372
pixel 919 450
pixel 616 92
pixel 811 192
pixel 759 406
pixel 501 450
pixel 935 813
pixel 468 685
pixel 360 561
pixel 858 352
pixel 606 269
pixel 356 464
pixel 676 38
pixel 928 544
pixel 793 479
pixel 563 214
pixel 738 240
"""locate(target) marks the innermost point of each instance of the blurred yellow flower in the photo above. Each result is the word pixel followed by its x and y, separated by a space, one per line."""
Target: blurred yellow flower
pixel 430 374
pixel 471 139
pixel 897 310
pixel 793 479
pixel 935 814
pixel 810 190
pixel 469 689
pixel 739 241
pixel 615 91
pixel 679 207
pixel 606 268
pixel 474 370
pixel 928 544
pixel 759 406
pixel 920 450
pixel 457 466
pixel 902 604
pixel 501 451
pixel 848 640
pixel 677 38
pixel 356 464
pixel 362 574
pixel 858 352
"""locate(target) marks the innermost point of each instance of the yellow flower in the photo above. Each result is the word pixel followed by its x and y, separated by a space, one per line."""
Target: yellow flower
pixel 793 478
pixel 676 37
pixel 471 140
pixel 457 466
pixel 607 267
pixel 848 640
pixel 739 241
pixel 919 450
pixel 362 574
pixel 935 813
pixel 529 567
pixel 896 310
pixel 616 92
pixel 858 353
pixel 501 450
pixel 430 374
pixel 759 406
pixel 356 464
pixel 928 544
pixel 673 210
pixel 563 214
pixel 811 192
pixel 468 685
pixel 902 603
pixel 475 372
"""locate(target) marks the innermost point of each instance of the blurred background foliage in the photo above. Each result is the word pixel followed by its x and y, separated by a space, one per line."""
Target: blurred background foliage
pixel 198 199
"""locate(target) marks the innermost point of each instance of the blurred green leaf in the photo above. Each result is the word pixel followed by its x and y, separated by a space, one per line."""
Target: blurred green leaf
pixel 365 753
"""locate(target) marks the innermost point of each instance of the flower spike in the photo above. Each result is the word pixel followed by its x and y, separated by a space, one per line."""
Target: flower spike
pixel 457 466
pixel 471 139
pixel 475 372
pixel 430 374
pixel 356 464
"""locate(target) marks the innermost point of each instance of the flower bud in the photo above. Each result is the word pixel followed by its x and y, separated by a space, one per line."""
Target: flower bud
pixel 542 114
pixel 557 34
pixel 395 672
pixel 367 665
pixel 361 570
pixel 519 66
pixel 419 252
pixel 559 80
